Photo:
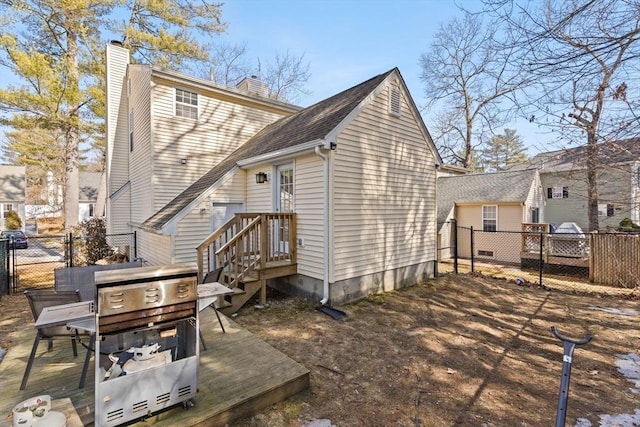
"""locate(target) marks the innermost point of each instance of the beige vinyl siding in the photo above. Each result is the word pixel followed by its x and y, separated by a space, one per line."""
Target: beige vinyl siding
pixel 120 207
pixel 192 230
pixel 140 165
pixel 505 246
pixel 196 225
pixel 221 127
pixel 309 209
pixel 117 128
pixel 155 247
pixel 260 196
pixel 383 193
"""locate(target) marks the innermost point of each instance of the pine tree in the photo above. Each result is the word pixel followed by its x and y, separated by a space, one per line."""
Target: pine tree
pixel 503 151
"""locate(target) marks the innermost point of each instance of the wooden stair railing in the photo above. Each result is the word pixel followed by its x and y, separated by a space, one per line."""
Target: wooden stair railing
pixel 245 248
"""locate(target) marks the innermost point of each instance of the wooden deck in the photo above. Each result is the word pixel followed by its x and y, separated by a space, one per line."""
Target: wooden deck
pixel 239 375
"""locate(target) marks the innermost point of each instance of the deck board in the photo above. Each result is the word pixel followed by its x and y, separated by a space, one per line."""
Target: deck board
pixel 239 375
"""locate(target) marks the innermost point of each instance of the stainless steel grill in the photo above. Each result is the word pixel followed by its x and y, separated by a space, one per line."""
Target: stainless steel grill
pixel 147 341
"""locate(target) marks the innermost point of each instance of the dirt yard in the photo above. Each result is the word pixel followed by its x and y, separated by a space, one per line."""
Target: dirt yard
pixel 458 350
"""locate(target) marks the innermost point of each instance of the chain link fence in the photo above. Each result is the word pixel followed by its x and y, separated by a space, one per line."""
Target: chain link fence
pixel 35 263
pixel 538 256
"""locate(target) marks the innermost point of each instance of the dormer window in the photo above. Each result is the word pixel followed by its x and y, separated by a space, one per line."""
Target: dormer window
pixel 394 101
pixel 186 104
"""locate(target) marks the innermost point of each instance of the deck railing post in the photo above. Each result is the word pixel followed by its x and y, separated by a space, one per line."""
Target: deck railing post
pixel 265 227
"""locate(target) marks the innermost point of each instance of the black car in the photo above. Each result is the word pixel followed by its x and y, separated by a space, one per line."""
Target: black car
pixel 17 239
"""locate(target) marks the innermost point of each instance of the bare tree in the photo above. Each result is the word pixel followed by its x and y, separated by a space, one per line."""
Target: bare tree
pixel 468 69
pixel 583 54
pixel 286 76
pixel 229 64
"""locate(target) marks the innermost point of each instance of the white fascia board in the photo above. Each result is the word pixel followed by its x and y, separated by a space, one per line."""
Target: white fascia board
pixel 171 227
pixel 331 136
pixel 287 152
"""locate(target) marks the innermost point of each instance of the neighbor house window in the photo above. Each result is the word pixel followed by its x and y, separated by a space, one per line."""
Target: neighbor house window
pixel 6 208
pixel 605 209
pixel 186 104
pixel 394 101
pixel 489 218
pixel 131 131
pixel 558 192
pixel 92 209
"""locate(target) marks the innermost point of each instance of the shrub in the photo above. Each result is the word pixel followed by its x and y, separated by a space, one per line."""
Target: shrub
pixel 94 238
pixel 12 221
pixel 628 225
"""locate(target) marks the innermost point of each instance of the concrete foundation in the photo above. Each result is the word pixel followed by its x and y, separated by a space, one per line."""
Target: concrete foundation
pixel 353 289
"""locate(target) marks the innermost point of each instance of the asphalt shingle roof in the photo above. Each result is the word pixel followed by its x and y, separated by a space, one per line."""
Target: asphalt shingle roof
pixel 509 186
pixel 611 152
pixel 312 123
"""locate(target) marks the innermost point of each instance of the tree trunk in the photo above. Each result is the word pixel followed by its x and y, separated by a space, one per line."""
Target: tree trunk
pixel 72 181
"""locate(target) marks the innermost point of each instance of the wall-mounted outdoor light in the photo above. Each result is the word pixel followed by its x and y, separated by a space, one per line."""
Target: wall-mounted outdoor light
pixel 261 178
pixel 183 161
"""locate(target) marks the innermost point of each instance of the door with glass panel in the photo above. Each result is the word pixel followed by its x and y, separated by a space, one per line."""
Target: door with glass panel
pixel 284 202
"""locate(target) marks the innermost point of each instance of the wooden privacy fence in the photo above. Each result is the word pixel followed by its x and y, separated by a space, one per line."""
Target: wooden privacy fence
pixel 615 260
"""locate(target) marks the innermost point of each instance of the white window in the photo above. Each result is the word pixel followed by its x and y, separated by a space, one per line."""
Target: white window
pixel 558 192
pixel 605 209
pixel 394 101
pixel 6 208
pixel 186 104
pixel 489 218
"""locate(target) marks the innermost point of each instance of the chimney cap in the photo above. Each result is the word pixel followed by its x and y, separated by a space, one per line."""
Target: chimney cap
pixel 116 42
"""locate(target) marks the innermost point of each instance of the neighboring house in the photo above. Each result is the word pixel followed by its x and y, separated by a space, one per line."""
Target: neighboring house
pixel 489 202
pixel 88 197
pixel 91 197
pixel 358 170
pixel 13 184
pixel 563 176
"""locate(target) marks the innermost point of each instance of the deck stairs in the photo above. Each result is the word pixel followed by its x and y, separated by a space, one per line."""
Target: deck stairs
pixel 245 253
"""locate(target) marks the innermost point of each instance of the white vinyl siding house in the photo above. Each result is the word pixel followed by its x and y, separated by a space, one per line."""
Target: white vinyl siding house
pixel 221 127
pixel 169 152
pixel 383 193
pixel 360 162
pixel 141 166
pixel 309 206
pixel 117 129
pixel 13 184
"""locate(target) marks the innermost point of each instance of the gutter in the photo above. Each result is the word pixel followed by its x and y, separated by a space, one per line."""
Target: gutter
pixel 325 267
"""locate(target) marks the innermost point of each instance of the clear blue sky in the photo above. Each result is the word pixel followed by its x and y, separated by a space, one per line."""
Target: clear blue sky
pixel 346 41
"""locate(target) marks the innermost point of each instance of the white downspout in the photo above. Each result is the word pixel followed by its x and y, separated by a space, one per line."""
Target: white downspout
pixel 325 178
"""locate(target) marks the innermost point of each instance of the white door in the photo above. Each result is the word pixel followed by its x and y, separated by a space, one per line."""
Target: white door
pixel 220 214
pixel 284 202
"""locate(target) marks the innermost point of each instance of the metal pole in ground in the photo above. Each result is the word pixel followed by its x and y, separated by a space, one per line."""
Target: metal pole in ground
pixel 472 266
pixel 541 260
pixel 563 398
pixel 454 239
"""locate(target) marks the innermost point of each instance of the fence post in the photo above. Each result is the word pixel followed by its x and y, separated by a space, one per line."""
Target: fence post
pixel 454 239
pixel 135 244
pixel 472 262
pixel 541 260
pixel 70 249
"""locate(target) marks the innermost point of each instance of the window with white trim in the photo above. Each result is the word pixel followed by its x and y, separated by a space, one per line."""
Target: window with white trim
pixel 186 104
pixel 394 101
pixel 605 209
pixel 558 192
pixel 489 218
pixel 6 208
